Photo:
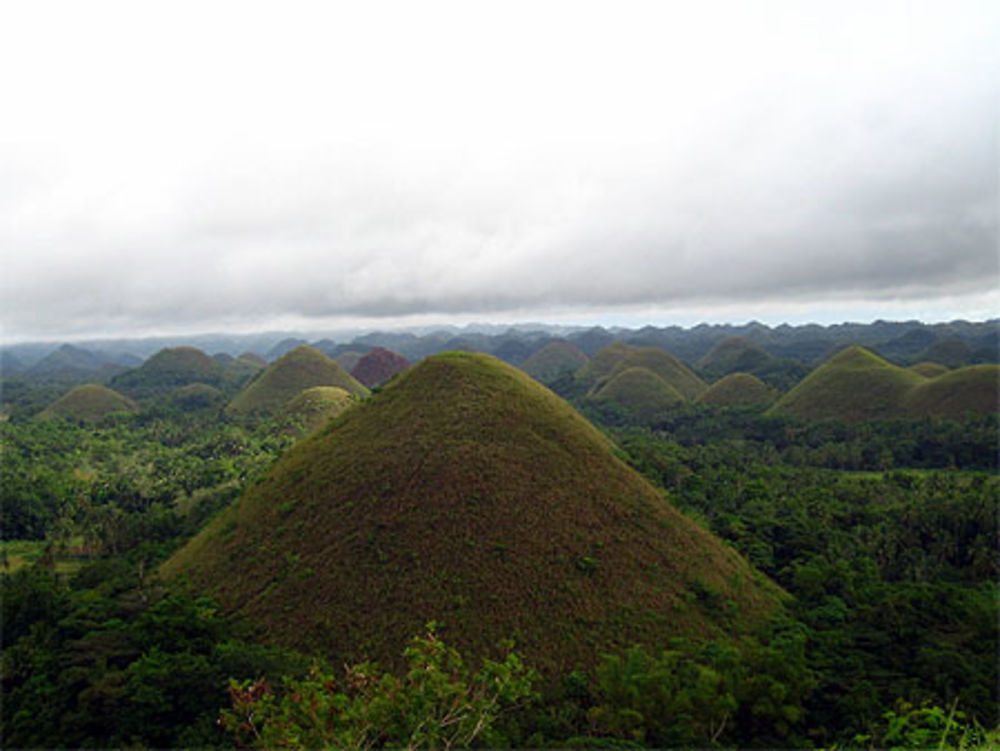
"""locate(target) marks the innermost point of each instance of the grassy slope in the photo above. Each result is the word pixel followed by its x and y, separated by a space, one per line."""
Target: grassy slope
pixel 88 402
pixel 618 357
pixel 640 392
pixel 855 384
pixel 736 389
pixel 315 407
pixel 467 493
pixel 733 354
pixel 553 360
pixel 302 368
pixel 970 389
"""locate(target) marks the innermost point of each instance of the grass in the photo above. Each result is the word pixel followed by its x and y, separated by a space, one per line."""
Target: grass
pixel 90 402
pixel 294 372
pixel 465 492
pixel 738 389
pixel 315 407
pixel 731 355
pixel 929 369
pixel 970 389
pixel 618 357
pixel 378 366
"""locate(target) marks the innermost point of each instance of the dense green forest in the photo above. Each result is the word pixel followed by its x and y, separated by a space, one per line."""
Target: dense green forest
pixel 882 533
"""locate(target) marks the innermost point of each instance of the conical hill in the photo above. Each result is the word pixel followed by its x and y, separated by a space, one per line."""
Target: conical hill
pixel 466 493
pixel 737 389
pixel 90 402
pixel 618 357
pixel 734 354
pixel 292 373
pixel 975 388
pixel 315 407
pixel 378 366
pixel 169 369
pixel 929 369
pixel 639 392
pixel 855 384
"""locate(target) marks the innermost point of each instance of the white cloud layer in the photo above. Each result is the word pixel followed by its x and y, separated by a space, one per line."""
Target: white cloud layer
pixel 209 165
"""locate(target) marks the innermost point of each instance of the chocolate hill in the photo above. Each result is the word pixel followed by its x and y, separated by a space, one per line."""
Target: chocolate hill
pixel 294 372
pixel 618 357
pixel 738 389
pixel 465 492
pixel 639 393
pixel 733 354
pixel 169 369
pixel 89 402
pixel 315 407
pixel 378 366
pixel 553 360
pixel 975 388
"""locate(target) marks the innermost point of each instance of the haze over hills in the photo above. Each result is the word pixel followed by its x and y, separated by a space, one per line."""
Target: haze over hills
pixel 467 493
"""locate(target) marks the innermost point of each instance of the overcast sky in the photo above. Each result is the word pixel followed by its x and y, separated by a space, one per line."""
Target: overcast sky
pixel 207 166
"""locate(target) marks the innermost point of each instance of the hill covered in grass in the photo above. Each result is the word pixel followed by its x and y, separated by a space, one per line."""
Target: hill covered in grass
pixel 378 366
pixel 737 389
pixel 315 407
pixel 929 369
pixel 855 384
pixel 466 493
pixel 638 392
pixel 169 369
pixel 975 388
pixel 291 374
pixel 553 361
pixel 618 357
pixel 89 402
pixel 733 354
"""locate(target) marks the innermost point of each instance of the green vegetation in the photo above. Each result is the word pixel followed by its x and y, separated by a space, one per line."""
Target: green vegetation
pixel 170 369
pixel 554 360
pixel 617 358
pixel 738 389
pixel 467 493
pixel 90 403
pixel 733 354
pixel 296 371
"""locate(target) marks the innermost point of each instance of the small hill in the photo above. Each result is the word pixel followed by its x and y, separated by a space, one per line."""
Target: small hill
pixel 294 372
pixel 617 357
pixel 315 407
pixel 553 361
pixel 738 389
pixel 283 347
pixel 733 354
pixel 970 389
pixel 467 493
pixel 854 384
pixel 378 366
pixel 169 369
pixel 196 396
pixel 638 392
pixel 71 364
pixel 89 402
pixel 253 357
pixel 929 369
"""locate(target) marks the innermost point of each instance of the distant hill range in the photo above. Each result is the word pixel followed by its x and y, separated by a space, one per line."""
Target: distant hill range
pixel 466 493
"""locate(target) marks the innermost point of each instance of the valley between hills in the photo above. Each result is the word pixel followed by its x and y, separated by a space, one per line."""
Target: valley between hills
pixel 718 537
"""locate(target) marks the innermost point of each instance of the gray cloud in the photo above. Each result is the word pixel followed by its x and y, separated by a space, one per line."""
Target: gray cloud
pixel 811 180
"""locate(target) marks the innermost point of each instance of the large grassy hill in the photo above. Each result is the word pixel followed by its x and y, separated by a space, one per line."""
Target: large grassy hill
pixel 738 389
pixel 315 407
pixel 929 369
pixel 466 493
pixel 854 384
pixel 170 369
pixel 294 372
pixel 90 402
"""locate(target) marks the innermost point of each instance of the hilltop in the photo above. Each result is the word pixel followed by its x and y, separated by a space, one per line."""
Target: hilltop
pixel 738 389
pixel 292 373
pixel 378 366
pixel 465 492
pixel 733 354
pixel 929 369
pixel 854 384
pixel 90 402
pixel 553 361
pixel 168 370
